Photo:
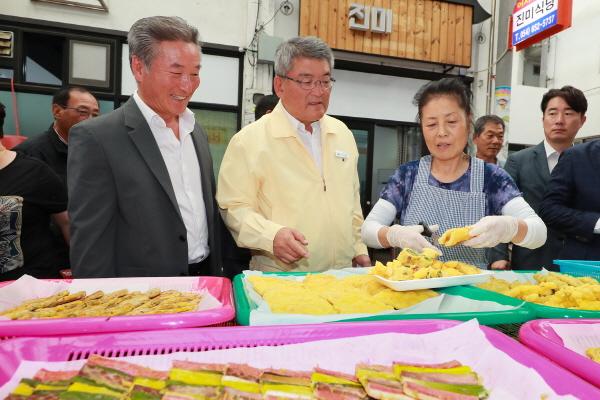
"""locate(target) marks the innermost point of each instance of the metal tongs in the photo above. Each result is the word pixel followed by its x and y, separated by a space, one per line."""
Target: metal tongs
pixel 431 232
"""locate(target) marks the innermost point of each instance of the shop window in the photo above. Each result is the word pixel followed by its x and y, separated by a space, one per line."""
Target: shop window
pixel 43 58
pixel 89 63
pixel 6 73
pixel 220 126
pixel 534 64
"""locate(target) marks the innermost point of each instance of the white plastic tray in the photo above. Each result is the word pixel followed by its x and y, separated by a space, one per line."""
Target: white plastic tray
pixel 431 283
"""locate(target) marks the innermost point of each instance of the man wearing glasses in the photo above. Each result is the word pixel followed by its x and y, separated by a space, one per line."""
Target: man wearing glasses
pixel 70 106
pixel 288 185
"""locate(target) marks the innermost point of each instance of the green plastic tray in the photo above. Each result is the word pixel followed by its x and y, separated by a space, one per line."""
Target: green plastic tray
pixel 539 310
pixel 523 314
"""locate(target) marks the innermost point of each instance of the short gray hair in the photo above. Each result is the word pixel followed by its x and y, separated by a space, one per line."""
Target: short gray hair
pixel 482 121
pixel 146 33
pixel 308 46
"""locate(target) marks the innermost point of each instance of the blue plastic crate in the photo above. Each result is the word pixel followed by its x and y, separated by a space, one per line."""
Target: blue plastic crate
pixel 579 267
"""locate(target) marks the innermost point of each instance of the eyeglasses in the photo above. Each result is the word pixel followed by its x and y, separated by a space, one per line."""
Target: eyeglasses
pixel 309 84
pixel 83 112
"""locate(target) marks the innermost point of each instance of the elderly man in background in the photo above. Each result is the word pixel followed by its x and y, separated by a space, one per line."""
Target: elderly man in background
pixel 288 186
pixel 488 137
pixel 70 106
pixel 563 114
pixel 141 184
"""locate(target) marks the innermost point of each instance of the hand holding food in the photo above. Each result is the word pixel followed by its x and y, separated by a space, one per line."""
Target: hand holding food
pixel 455 236
pixel 492 230
pixel 408 237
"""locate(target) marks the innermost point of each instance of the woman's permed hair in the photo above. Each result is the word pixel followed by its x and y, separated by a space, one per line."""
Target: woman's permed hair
pixel 453 87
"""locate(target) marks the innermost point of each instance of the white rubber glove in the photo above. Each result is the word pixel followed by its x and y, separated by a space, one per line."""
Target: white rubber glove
pixel 492 230
pixel 408 237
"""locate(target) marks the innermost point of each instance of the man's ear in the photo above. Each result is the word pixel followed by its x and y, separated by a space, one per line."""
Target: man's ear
pixel 56 110
pixel 278 85
pixel 137 67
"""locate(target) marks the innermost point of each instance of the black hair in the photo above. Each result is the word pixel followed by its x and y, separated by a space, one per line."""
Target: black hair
pixel 266 103
pixel 482 121
pixel 62 96
pixel 453 87
pixel 572 96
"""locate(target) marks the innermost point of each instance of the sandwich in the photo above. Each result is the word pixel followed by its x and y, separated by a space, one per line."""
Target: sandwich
pixel 241 381
pixel 107 379
pixel 46 385
pixel 450 380
pixel 380 382
pixel 285 384
pixel 192 380
pixel 331 385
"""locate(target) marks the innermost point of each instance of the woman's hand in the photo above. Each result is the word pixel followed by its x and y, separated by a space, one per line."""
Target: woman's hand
pixel 408 237
pixel 493 230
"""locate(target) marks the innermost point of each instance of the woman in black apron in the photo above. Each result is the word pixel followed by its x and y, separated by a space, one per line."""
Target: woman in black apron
pixel 450 189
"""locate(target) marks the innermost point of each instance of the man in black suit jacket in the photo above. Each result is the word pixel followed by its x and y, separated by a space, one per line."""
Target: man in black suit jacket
pixel 70 106
pixel 563 115
pixel 141 183
pixel 572 203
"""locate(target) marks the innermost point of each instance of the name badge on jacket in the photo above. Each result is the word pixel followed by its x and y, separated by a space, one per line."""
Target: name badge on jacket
pixel 341 154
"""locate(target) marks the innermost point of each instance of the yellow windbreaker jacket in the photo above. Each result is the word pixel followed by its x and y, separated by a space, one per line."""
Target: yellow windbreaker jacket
pixel 268 181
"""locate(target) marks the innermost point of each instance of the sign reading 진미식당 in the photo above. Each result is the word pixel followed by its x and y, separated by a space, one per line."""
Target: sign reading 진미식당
pixel 534 20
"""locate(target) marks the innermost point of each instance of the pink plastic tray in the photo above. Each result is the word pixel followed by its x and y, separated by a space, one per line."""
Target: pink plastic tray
pixel 540 336
pixel 163 342
pixel 219 287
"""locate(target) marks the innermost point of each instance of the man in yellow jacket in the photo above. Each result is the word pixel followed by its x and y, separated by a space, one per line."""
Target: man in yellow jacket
pixel 288 185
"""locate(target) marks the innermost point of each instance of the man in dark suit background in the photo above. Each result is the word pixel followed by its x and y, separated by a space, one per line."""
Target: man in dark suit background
pixel 141 183
pixel 70 106
pixel 572 203
pixel 563 114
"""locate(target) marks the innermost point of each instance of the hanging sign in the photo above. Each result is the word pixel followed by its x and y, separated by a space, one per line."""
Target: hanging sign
pixel 534 20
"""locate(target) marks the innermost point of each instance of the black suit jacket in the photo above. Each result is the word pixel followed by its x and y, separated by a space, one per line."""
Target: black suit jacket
pixel 529 169
pixel 572 203
pixel 125 220
pixel 48 148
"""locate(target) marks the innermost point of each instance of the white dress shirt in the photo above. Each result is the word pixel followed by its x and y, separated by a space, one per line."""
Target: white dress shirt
pixel 312 141
pixel 184 170
pixel 551 155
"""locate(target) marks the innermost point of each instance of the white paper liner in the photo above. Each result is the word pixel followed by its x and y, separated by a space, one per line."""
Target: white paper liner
pixel 444 303
pixel 28 287
pixel 503 377
pixel 578 337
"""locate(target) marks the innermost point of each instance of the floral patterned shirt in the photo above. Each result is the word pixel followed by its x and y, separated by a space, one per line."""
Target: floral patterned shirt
pixel 498 186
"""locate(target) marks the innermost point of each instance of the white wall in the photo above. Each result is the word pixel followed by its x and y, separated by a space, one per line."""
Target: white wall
pixel 223 25
pixel 358 94
pixel 526 115
pixel 574 60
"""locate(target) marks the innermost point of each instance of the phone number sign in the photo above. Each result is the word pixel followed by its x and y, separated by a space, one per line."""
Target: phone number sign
pixel 535 20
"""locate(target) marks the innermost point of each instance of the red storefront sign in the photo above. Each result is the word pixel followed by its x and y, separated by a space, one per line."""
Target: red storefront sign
pixel 534 20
